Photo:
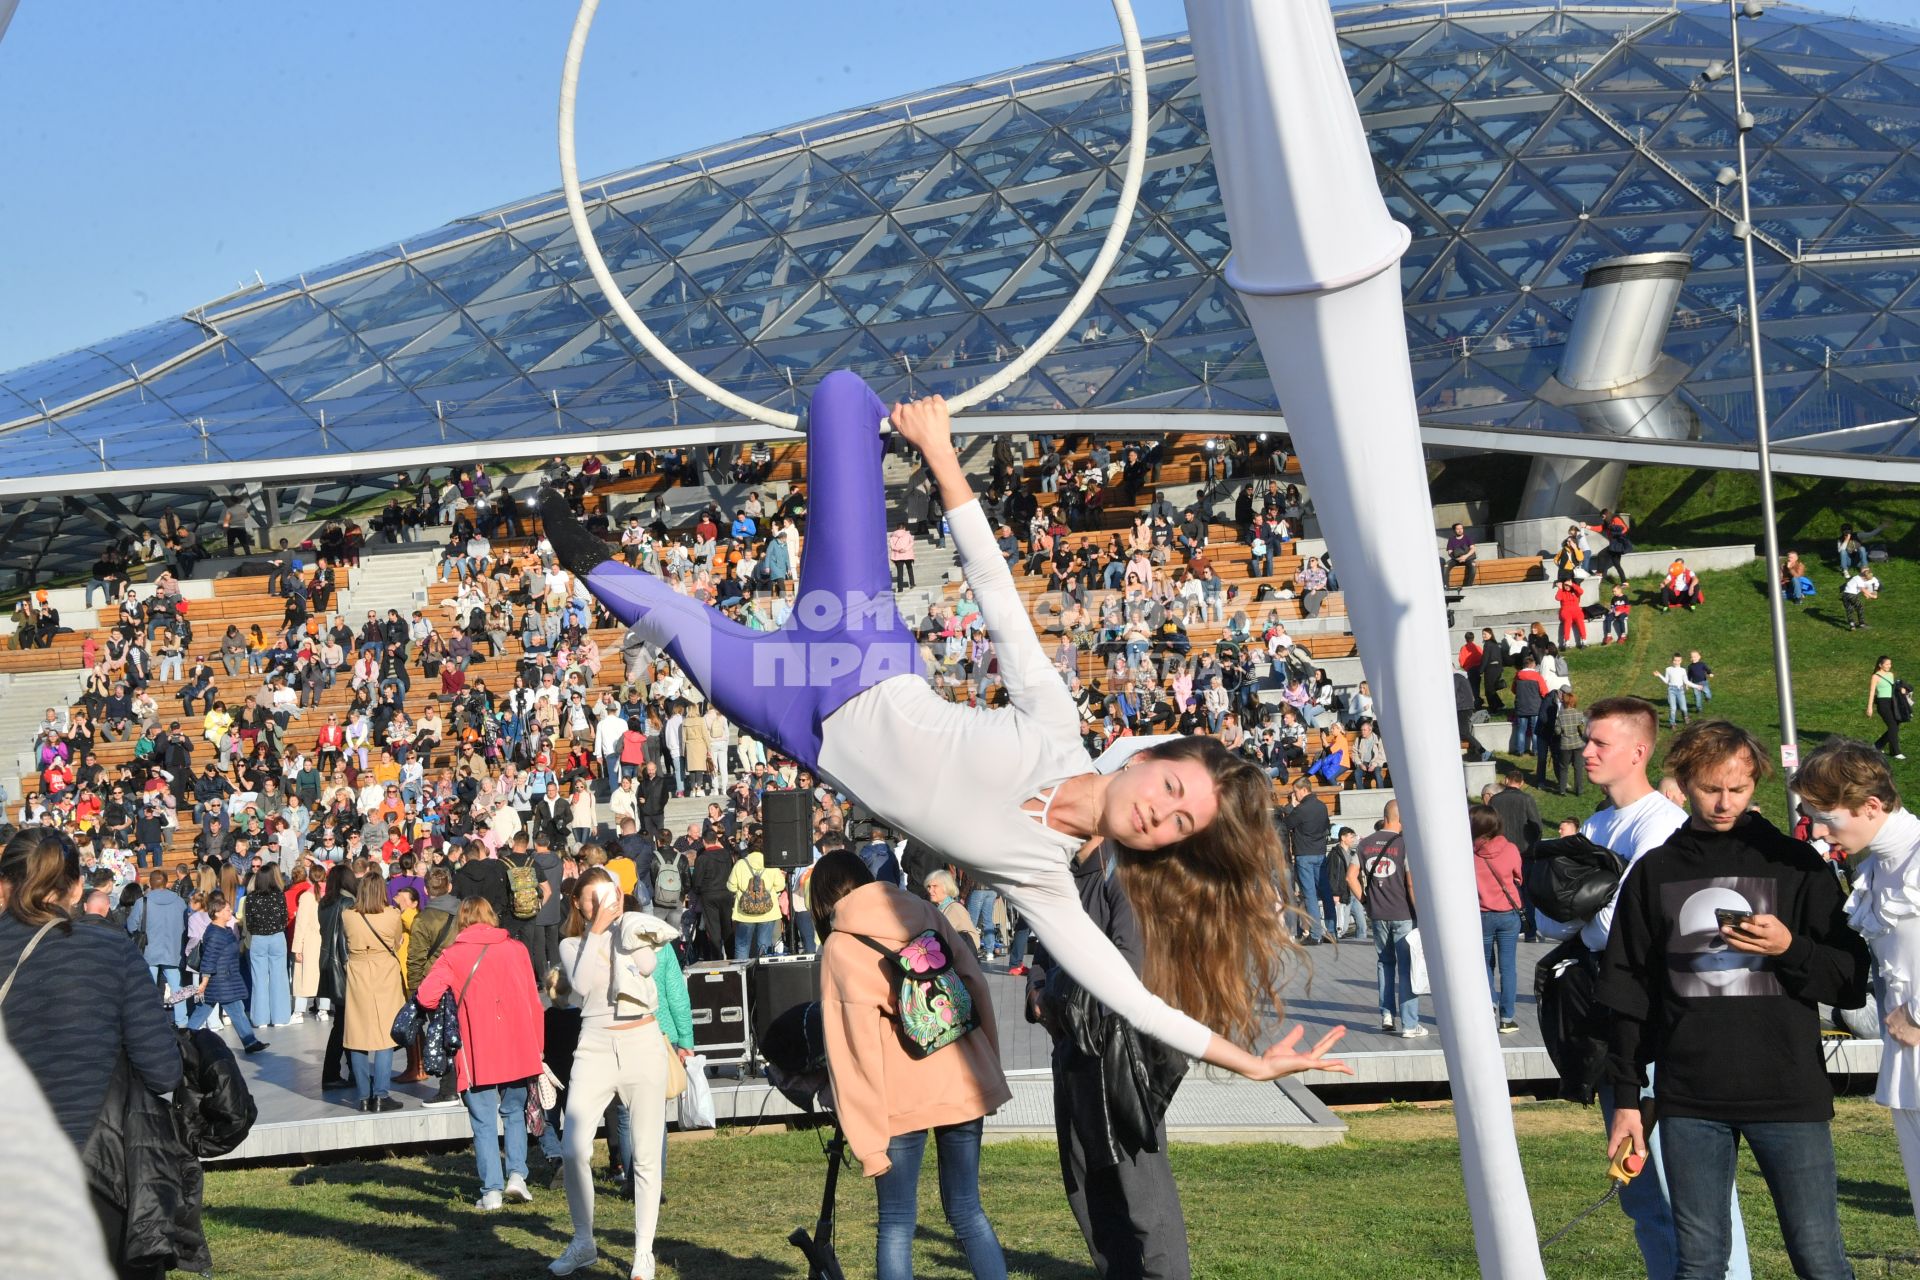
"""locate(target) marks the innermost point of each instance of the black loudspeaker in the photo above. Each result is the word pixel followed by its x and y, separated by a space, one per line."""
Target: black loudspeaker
pixel 786 822
pixel 777 985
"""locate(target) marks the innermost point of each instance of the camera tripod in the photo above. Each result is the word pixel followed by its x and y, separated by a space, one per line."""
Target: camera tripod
pixel 822 1264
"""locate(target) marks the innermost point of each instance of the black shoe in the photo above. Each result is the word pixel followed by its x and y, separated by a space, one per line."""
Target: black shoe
pixel 386 1102
pixel 366 1104
pixel 256 1046
pixel 576 549
pixel 336 1082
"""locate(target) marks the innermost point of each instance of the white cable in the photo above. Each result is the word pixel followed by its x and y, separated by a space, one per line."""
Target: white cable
pixel 1076 307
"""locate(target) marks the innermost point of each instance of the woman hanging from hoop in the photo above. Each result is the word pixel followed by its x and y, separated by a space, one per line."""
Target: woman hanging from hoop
pixel 1009 793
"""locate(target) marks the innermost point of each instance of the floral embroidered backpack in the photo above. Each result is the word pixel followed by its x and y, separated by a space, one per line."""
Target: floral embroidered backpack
pixel 935 1007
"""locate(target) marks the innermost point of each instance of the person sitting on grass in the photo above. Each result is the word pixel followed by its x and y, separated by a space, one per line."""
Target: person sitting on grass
pixel 1681 587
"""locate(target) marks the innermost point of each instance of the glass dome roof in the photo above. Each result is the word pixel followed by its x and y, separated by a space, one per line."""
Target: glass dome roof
pixel 922 241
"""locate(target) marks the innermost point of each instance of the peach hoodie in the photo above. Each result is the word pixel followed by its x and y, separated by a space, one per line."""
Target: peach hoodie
pixel 878 1090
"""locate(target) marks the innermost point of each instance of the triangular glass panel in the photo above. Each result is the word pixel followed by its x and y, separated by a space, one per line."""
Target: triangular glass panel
pixel 1049 276
pixel 1648 189
pixel 1454 192
pixel 1585 249
pixel 1817 340
pixel 1153 255
pixel 1396 89
pixel 1465 274
pixel 864 355
pixel 916 340
pixel 932 235
pixel 1012 121
pixel 1879 283
pixel 624 247
pixel 1631 72
pixel 1445 74
pixel 1878 84
pixel 995 227
pixel 951 181
pixel 1201 192
pixel 1218 310
pixel 1682 32
pixel 1871 39
pixel 1147 308
pixel 824 254
pixel 1381 42
pixel 561 308
pixel 840 202
pixel 1828 126
pixel 1856 230
pixel 735 227
pixel 1818 75
pixel 1778 184
pixel 1173 132
pixel 1804 39
pixel 1204 234
pixel 887 186
pixel 804 170
pixel 392 296
pixel 1520 365
pixel 1409 212
pixel 1391 143
pixel 1105 137
pixel 754 313
pixel 1054 157
pixel 1575 132
pixel 1523 255
pixel 774 267
pixel 866 293
pixel 1697 124
pixel 1081 375
pixel 1506 75
pixel 482 362
pixel 1563 47
pixel 1800 296
pixel 1657 234
pixel 1163 88
pixel 599 345
pixel 1889 338
pixel 1509 126
pixel 1521 201
pixel 996 161
pixel 1835 404
pixel 1449 40
pixel 1451 142
pixel 926 296
pixel 1417 260
pixel 294 322
pixel 1470 319
pixel 1157 376
pixel 1046 208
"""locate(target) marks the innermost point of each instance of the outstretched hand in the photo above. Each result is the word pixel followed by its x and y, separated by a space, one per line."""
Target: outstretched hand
pixel 925 424
pixel 1283 1058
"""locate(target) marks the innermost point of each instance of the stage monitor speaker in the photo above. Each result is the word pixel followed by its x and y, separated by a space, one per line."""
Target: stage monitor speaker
pixel 786 822
pixel 717 992
pixel 777 984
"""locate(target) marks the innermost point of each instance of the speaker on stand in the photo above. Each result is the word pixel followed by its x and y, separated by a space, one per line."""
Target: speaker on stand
pixel 786 830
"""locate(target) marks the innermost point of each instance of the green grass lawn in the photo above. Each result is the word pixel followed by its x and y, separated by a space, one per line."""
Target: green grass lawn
pixel 1387 1202
pixel 1829 664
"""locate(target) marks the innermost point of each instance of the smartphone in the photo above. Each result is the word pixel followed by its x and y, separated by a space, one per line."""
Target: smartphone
pixel 1729 918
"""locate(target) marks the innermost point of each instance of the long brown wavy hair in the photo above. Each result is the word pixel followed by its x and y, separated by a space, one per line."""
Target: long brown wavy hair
pixel 1212 909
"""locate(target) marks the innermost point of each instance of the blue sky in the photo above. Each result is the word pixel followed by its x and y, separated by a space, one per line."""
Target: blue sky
pixel 155 155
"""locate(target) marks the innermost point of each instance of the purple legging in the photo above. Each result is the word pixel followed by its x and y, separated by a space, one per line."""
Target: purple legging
pixel 844 635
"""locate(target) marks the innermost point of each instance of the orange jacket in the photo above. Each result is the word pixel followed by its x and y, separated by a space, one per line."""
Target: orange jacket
pixel 878 1090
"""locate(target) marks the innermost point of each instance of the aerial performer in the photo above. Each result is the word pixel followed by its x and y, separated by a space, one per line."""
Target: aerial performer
pixel 1316 264
pixel 1011 793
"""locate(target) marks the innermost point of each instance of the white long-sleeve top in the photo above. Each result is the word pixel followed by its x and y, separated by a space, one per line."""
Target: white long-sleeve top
pixel 957 776
pixel 1885 909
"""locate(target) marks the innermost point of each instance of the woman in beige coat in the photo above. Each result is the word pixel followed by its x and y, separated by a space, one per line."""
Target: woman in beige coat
pixel 375 992
pixel 699 753
pixel 306 940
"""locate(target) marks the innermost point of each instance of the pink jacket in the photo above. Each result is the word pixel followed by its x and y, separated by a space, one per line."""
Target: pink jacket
pixel 502 1026
pixel 1496 873
pixel 899 545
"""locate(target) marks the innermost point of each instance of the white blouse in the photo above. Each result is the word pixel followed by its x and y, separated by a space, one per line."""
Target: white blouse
pixel 957 776
pixel 1885 909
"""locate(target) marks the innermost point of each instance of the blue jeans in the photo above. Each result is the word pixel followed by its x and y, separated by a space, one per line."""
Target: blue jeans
pixel 1500 934
pixel 1523 729
pixel 980 904
pixel 1644 1201
pixel 1676 704
pixel 803 932
pixel 372 1072
pixel 1702 695
pixel 898 1190
pixel 1796 1159
pixel 272 990
pixel 506 1104
pixel 1316 895
pixel 757 936
pixel 1395 970
pixel 236 1011
pixel 174 979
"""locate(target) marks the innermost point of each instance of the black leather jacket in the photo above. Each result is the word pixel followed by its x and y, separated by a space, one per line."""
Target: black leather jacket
pixel 1119 1083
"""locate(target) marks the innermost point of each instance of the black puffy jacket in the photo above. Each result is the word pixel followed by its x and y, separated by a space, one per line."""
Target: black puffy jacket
pixel 214 1105
pixel 137 1161
pixel 333 950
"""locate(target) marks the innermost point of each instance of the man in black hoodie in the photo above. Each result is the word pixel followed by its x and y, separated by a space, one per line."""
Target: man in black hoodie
pixel 1724 940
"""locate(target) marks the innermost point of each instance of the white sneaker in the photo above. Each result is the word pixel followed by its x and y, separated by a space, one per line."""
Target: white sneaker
pixel 1414 1033
pixel 489 1202
pixel 580 1253
pixel 298 1017
pixel 517 1189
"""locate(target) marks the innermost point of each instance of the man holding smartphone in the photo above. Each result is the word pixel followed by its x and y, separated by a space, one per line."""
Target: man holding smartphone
pixel 1636 820
pixel 1724 941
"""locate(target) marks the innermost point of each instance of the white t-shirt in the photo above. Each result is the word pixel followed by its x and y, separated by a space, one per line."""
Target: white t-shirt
pixel 1631 832
pixel 1859 583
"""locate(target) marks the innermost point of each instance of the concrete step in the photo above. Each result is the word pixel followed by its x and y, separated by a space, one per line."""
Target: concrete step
pixel 24 699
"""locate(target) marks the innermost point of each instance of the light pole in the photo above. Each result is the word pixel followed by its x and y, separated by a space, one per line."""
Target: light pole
pixel 1776 609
